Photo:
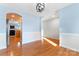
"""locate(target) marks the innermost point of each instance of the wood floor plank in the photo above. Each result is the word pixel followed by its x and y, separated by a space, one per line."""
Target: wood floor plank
pixel 38 48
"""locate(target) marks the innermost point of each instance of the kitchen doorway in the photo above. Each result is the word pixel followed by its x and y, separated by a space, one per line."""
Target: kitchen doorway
pixel 13 30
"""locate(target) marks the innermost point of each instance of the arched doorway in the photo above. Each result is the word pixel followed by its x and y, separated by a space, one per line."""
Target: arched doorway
pixel 13 30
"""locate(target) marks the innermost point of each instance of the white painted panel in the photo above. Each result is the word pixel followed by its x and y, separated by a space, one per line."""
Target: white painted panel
pixel 69 40
pixel 2 40
pixel 30 37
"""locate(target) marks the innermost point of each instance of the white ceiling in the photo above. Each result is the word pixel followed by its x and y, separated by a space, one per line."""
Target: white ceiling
pixel 50 8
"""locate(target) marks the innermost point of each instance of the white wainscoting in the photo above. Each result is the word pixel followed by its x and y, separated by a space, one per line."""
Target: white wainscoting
pixel 26 38
pixel 69 40
pixel 30 36
pixel 2 40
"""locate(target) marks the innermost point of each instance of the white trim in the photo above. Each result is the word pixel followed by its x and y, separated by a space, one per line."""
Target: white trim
pixel 64 46
pixel 70 33
pixel 70 40
pixel 2 40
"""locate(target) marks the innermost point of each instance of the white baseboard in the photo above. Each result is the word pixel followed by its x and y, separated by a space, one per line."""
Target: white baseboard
pixel 2 40
pixel 26 38
pixel 30 36
pixel 69 40
pixel 64 46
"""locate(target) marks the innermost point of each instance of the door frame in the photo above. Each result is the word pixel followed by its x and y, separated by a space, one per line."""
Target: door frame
pixel 7 37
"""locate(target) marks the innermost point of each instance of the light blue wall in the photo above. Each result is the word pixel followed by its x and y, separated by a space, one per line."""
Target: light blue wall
pixel 31 23
pixel 30 26
pixel 69 27
pixel 69 19
pixel 2 27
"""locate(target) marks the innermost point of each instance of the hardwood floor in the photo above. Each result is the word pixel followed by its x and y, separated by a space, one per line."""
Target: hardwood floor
pixel 38 48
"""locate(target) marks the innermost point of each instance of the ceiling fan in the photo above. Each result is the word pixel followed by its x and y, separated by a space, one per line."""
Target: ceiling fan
pixel 40 7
